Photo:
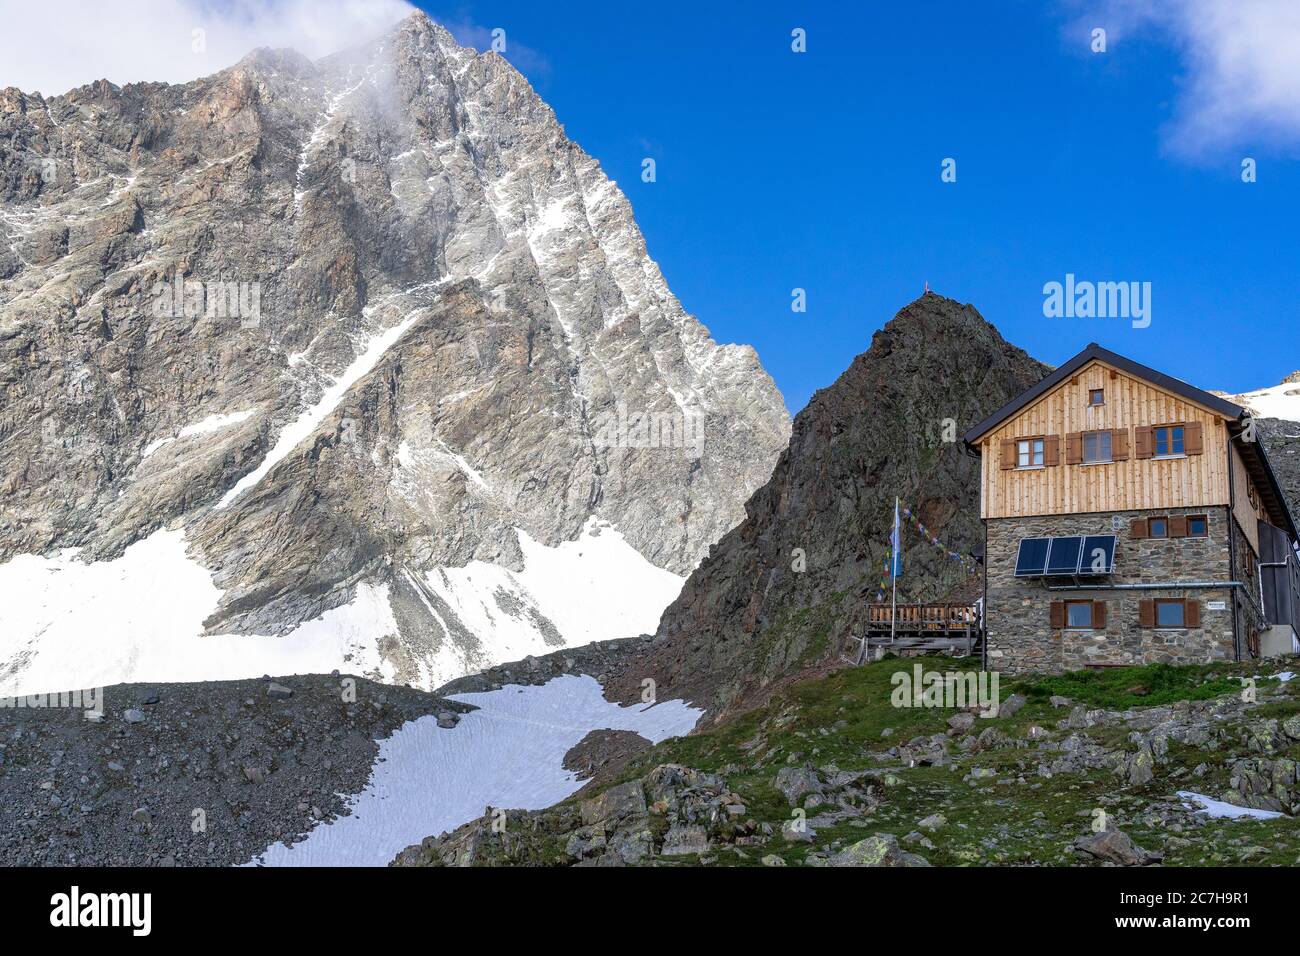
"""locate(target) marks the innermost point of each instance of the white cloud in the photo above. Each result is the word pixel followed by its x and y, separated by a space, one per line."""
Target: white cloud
pixel 56 45
pixel 1242 59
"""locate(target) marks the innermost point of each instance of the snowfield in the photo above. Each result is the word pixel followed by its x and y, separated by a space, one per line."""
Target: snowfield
pixel 509 754
pixel 1217 809
pixel 1276 401
pixel 68 625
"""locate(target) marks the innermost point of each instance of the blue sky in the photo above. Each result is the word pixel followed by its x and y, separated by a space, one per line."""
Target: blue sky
pixel 821 170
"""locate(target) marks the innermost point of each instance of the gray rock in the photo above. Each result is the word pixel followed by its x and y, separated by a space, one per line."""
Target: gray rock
pixel 961 723
pixel 615 806
pixel 798 832
pixel 278 691
pixel 1141 767
pixel 133 716
pixel 682 840
pixel 1115 846
pixel 585 842
pixel 879 850
pixel 1011 706
pixel 794 782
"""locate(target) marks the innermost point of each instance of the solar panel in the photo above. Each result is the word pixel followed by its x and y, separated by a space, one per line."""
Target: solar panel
pixel 1032 557
pixel 1063 557
pixel 1098 554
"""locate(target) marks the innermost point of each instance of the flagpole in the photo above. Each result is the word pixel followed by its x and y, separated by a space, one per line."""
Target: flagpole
pixel 893 573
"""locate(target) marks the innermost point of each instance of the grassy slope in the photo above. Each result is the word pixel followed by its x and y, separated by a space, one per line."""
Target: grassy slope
pixel 843 718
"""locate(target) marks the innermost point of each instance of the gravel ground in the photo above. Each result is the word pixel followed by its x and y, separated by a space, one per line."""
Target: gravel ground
pixel 201 774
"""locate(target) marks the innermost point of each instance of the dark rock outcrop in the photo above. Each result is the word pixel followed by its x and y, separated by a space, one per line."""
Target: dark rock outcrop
pixel 782 591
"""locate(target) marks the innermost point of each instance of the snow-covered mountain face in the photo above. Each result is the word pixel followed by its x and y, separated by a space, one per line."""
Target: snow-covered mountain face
pixel 358 363
pixel 1277 401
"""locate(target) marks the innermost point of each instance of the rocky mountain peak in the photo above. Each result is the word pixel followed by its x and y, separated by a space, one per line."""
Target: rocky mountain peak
pixel 337 333
pixel 784 589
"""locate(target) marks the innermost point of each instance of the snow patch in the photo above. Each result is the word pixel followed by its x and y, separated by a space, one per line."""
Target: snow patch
pixel 428 780
pixel 69 625
pixel 1220 810
pixel 1276 401
pixel 307 421
pixel 210 424
pixel 594 588
pixel 597 586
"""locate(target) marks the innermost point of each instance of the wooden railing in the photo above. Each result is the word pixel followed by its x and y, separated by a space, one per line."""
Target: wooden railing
pixel 916 618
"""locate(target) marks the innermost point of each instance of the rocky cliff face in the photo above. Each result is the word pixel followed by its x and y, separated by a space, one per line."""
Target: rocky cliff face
pixel 890 425
pixel 364 329
pixel 1281 440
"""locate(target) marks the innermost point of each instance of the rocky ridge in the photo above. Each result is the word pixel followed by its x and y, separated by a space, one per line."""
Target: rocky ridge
pixel 780 591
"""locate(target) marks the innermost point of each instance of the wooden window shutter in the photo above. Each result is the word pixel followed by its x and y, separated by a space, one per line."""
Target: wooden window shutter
pixel 1142 441
pixel 1193 439
pixel 1178 526
pixel 1099 615
pixel 1052 450
pixel 1146 613
pixel 1057 618
pixel 1192 613
pixel 1074 448
pixel 1139 528
pixel 1119 444
pixel 1008 453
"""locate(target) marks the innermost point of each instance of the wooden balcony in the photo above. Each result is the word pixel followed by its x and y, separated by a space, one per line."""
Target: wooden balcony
pixel 922 628
pixel 923 618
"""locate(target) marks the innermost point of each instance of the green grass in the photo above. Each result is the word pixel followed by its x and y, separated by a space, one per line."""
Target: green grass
pixel 1121 688
pixel 1015 817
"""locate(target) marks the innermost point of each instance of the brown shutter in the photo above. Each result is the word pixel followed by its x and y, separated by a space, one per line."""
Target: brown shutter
pixel 1146 613
pixel 1074 448
pixel 1052 450
pixel 1119 444
pixel 1057 618
pixel 1099 615
pixel 1192 612
pixel 1139 529
pixel 1008 453
pixel 1193 439
pixel 1142 441
pixel 1178 526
